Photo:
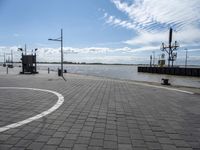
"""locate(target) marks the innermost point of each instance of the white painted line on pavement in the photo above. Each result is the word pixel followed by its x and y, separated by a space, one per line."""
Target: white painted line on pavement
pixel 161 87
pixel 23 122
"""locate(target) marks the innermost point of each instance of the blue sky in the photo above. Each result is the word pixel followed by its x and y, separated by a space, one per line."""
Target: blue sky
pixel 108 31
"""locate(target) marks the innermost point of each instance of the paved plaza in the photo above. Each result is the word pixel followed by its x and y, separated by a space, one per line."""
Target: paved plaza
pixel 97 113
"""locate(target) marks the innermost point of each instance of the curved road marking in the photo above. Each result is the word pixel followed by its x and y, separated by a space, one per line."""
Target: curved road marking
pixel 23 122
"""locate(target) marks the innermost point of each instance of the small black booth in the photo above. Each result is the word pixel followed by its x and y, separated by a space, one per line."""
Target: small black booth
pixel 29 64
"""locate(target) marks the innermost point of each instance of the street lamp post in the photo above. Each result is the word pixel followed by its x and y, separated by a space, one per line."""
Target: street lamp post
pixel 186 56
pixel 35 60
pixel 61 41
pixel 153 58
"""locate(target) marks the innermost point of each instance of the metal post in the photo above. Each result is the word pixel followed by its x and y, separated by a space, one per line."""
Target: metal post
pixel 61 52
pixel 61 41
pixel 170 46
pixel 12 57
pixel 150 60
pixel 153 58
pixel 35 63
pixel 186 56
pixel 22 63
pixel 25 49
pixel 4 58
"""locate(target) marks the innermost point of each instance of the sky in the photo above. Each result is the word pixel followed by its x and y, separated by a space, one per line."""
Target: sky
pixel 100 31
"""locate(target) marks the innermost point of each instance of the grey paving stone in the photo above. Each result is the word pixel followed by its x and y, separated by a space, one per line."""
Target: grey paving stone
pixel 59 134
pixel 123 140
pixel 110 131
pixel 138 143
pixel 98 129
pixel 12 140
pixel 42 138
pixel 49 147
pixel 36 146
pixel 16 148
pixel 97 135
pixel 80 147
pixel 67 143
pixel 125 147
pixel 137 137
pixel 94 148
pixel 59 148
pixel 96 142
pixel 164 140
pixel 85 133
pixel 83 140
pixel 5 146
pixel 152 145
pixel 110 144
pixel 181 144
pixel 54 141
pixel 4 137
pixel 150 139
pixel 110 137
pixel 23 143
pixel 73 136
pixel 168 147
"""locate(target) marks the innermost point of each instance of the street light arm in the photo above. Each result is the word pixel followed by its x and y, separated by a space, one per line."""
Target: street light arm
pixel 58 39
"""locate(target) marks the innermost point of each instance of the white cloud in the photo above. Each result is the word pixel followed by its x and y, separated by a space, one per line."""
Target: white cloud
pixel 94 54
pixel 118 22
pixel 146 38
pixel 151 19
pixel 146 13
pixel 188 37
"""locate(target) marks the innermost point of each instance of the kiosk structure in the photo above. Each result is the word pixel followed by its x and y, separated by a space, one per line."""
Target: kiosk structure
pixel 29 63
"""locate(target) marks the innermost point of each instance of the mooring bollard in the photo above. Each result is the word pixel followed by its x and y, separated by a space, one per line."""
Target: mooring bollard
pixel 165 81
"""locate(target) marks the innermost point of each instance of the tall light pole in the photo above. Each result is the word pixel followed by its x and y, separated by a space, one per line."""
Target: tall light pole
pixel 60 39
pixel 186 56
pixel 153 58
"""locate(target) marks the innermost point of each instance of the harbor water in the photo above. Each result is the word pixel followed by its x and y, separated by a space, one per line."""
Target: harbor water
pixel 127 72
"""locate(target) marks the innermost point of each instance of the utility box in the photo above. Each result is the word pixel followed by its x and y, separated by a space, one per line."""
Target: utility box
pixel 59 72
pixel 29 64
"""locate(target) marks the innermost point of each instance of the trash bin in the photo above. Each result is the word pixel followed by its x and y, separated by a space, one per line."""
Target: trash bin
pixel 59 72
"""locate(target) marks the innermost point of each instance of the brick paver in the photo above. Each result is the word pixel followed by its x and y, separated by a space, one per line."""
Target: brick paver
pixel 98 113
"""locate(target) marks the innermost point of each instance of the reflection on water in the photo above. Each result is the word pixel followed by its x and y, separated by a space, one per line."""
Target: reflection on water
pixel 124 72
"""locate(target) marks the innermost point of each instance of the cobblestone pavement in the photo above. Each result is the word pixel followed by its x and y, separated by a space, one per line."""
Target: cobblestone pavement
pixel 97 113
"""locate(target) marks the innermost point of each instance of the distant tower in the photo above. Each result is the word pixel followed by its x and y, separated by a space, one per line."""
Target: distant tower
pixel 170 49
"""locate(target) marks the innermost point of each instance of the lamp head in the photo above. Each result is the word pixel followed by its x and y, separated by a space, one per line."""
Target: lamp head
pixel 20 49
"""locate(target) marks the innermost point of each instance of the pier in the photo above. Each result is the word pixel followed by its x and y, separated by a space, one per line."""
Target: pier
pixel 97 113
pixel 195 72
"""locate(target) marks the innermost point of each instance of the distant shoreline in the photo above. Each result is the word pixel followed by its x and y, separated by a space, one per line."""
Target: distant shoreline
pixel 83 63
pixel 117 64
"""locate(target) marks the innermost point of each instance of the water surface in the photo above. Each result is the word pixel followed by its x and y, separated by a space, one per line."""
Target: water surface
pixel 128 72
